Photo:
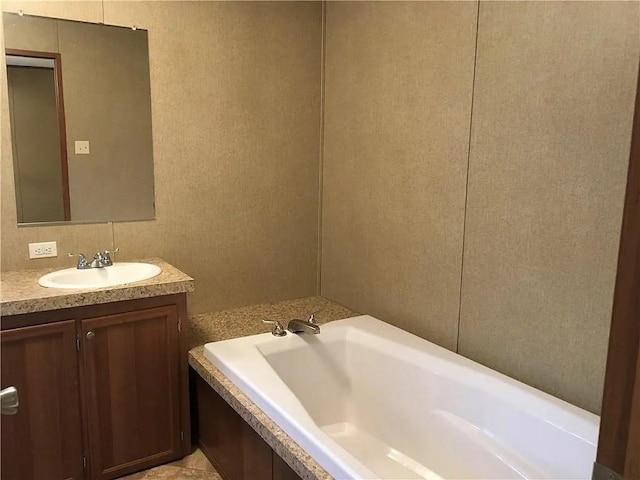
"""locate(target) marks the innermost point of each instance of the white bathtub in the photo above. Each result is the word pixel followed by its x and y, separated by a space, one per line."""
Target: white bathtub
pixel 368 400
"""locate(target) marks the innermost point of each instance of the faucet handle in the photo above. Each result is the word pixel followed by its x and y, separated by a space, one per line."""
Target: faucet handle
pixel 106 256
pixel 278 329
pixel 82 260
pixel 312 318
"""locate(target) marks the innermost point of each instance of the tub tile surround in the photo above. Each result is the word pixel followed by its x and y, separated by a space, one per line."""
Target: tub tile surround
pixel 20 292
pixel 247 321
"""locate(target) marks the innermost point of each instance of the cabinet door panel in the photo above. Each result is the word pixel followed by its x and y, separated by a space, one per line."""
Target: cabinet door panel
pixel 256 454
pixel 282 471
pixel 229 443
pixel 44 439
pixel 131 363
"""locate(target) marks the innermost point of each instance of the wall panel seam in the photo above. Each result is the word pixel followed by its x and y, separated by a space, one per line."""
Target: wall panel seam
pixel 466 185
pixel 323 46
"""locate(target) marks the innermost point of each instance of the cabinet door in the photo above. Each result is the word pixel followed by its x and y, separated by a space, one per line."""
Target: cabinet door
pixel 132 387
pixel 44 439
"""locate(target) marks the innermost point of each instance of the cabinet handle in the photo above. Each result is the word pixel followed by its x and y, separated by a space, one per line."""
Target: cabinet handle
pixel 90 335
pixel 9 397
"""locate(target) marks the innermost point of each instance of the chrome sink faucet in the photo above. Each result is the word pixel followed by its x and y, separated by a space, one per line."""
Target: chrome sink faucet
pixel 100 260
pixel 309 325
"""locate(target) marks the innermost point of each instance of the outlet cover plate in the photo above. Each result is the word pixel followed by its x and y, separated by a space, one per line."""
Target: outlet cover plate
pixel 43 250
pixel 82 147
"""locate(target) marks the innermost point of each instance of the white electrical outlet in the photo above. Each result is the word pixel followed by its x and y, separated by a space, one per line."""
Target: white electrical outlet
pixel 43 250
pixel 82 147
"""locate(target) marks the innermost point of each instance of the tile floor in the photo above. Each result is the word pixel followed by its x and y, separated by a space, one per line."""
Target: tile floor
pixel 193 467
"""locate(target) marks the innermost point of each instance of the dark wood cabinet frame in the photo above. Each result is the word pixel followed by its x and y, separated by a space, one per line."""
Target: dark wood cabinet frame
pixel 619 443
pixel 62 126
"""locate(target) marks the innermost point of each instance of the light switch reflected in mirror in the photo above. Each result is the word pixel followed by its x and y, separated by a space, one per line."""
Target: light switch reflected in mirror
pixel 80 114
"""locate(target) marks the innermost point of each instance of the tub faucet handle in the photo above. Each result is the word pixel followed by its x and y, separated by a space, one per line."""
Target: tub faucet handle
pixel 312 319
pixel 278 329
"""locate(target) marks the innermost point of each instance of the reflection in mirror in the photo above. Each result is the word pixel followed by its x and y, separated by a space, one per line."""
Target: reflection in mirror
pixel 36 109
pixel 80 112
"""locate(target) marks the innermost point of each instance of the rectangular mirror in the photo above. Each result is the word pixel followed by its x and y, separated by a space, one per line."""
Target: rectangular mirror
pixel 80 113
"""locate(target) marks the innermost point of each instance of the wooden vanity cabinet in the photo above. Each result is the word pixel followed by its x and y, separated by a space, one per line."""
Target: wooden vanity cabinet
pixel 103 390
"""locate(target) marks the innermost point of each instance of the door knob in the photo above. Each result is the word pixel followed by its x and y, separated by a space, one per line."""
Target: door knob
pixel 90 335
pixel 9 401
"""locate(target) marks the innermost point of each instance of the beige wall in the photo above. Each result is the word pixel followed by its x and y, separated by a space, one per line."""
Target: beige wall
pixel 553 106
pixel 236 115
pixel 552 110
pixel 398 84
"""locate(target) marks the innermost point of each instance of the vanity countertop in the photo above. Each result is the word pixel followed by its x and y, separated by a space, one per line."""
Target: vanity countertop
pixel 247 321
pixel 20 292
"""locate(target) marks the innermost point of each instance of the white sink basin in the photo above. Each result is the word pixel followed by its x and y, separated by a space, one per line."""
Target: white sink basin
pixel 119 273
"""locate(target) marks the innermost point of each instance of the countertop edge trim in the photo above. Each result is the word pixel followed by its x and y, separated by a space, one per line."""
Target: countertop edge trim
pixel 92 297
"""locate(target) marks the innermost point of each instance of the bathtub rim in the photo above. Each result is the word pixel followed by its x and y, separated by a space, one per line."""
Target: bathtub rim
pixel 557 405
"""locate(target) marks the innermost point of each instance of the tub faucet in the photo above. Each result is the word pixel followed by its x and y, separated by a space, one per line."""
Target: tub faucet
pixel 309 325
